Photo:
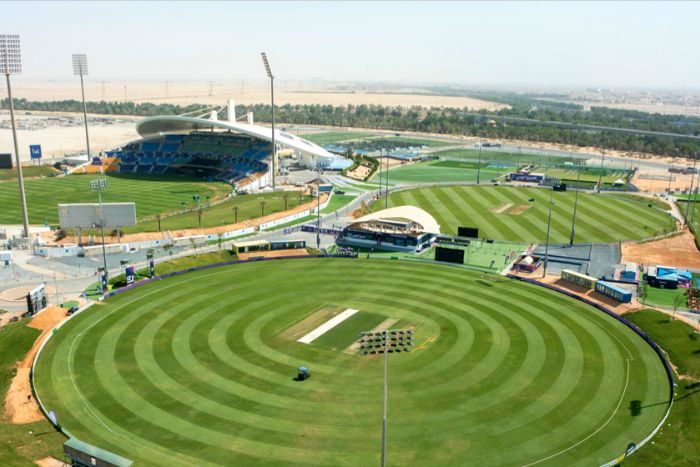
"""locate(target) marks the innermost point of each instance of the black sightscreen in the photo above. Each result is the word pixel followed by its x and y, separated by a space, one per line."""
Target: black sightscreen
pixel 449 255
pixel 5 161
pixel 469 232
pixel 561 187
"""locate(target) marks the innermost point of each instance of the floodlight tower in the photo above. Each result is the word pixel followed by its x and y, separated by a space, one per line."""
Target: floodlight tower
pixel 386 342
pixel 573 220
pixel 272 107
pixel 11 64
pixel 80 68
pixel 100 185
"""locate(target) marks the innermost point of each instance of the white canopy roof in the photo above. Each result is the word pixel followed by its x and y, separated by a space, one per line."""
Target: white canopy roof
pixel 411 213
pixel 157 126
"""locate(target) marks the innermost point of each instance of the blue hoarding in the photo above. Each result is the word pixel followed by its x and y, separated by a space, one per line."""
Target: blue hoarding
pixel 35 151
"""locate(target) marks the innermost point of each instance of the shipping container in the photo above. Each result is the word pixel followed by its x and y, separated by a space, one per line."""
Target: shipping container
pixel 578 278
pixel 613 291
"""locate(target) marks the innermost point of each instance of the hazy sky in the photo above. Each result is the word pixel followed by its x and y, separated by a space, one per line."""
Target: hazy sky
pixel 520 43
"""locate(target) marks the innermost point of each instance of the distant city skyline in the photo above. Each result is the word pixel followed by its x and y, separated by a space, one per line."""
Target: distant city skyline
pixel 505 44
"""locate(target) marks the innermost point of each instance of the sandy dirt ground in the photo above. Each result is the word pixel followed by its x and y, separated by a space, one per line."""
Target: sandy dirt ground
pixel 273 254
pixel 50 462
pixel 679 182
pixel 17 408
pixel 679 251
pixel 244 92
pixel 72 240
pixel 614 305
pixel 359 173
pixel 56 141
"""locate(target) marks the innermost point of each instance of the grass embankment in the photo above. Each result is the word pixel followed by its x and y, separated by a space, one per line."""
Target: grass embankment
pixel 31 171
pixel 20 445
pixel 677 443
pixel 175 264
pixel 247 206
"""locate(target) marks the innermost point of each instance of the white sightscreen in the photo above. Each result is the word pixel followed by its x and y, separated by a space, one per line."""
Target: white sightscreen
pixel 87 215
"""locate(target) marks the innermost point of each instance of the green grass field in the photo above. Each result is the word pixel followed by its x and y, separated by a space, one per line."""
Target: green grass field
pixel 505 213
pixel 490 156
pixel 332 137
pixel 198 370
pixel 152 195
pixel 31 171
pixel 249 207
pixel 587 175
pixel 439 171
pixel 677 444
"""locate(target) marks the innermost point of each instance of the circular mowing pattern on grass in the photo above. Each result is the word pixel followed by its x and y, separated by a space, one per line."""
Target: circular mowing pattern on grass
pixel 198 370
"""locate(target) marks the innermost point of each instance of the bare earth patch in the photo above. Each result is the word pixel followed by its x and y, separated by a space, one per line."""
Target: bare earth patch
pixel 273 254
pixel 50 462
pixel 679 251
pixel 502 208
pixel 519 209
pixel 17 408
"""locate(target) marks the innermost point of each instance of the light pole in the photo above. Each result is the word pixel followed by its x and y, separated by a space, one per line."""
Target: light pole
pixel 386 342
pixel 478 164
pixel 600 175
pixel 386 199
pixel 573 220
pixel 99 185
pixel 11 64
pixel 272 107
pixel 80 68
pixel 690 194
pixel 549 225
pixel 318 206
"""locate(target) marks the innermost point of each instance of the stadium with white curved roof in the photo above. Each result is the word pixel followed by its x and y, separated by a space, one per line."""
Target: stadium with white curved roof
pixel 205 147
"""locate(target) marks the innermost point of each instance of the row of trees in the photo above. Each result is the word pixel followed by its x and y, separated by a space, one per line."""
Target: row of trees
pixel 455 121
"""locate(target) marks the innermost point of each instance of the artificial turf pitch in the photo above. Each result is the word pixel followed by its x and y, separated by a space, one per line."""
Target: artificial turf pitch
pixel 599 218
pixel 198 370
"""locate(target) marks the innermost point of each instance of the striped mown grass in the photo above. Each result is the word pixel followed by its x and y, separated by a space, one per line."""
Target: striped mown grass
pixel 506 213
pixel 152 195
pixel 198 370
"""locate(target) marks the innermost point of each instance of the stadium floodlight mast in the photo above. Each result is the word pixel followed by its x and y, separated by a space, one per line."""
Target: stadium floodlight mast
pixel 100 185
pixel 272 107
pixel 11 64
pixel 573 220
pixel 80 68
pixel 600 175
pixel 549 226
pixel 386 342
pixel 318 205
pixel 478 164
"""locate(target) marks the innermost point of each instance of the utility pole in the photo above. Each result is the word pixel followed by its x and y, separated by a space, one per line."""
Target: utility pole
pixel 11 64
pixel 80 67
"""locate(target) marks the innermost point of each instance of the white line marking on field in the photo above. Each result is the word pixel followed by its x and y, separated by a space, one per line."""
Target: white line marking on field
pixel 327 326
